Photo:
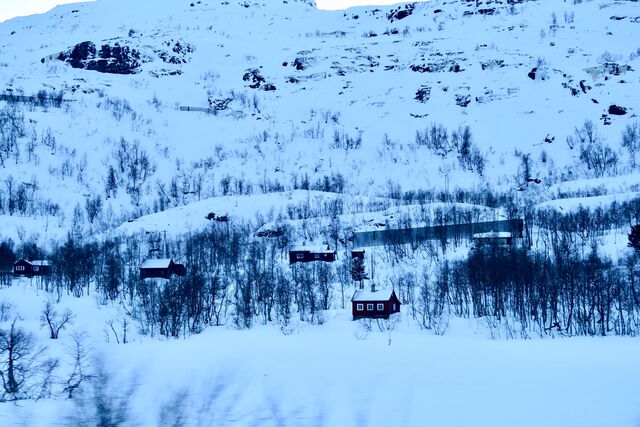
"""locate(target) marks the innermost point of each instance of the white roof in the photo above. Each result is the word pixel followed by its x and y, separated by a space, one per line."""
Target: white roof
pixel 381 295
pixel 156 263
pixel 40 262
pixel 493 235
pixel 317 249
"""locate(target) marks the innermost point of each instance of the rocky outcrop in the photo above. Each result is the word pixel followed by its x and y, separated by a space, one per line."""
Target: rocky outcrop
pixel 617 110
pixel 114 59
pixel 401 12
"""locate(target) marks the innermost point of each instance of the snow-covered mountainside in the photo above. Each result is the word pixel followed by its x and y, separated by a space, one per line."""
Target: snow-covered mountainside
pixel 371 101
pixel 217 135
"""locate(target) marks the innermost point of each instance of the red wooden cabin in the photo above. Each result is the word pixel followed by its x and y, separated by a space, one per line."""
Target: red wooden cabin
pixel 22 267
pixel 374 304
pixel 162 268
pixel 357 253
pixel 311 253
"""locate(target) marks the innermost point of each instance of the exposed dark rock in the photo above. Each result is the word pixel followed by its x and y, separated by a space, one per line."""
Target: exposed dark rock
pixel 253 75
pixel 439 66
pixel 256 80
pixel 423 94
pixel 616 110
pixel 463 100
pixel 299 64
pixel 80 53
pixel 211 216
pixel 401 12
pixel 574 91
pixel 219 104
pixel 489 11
pixel 532 73
pixel 178 53
pixel 114 59
pixel 584 86
pixel 420 68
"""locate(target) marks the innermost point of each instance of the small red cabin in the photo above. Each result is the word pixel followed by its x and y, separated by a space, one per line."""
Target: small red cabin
pixel 357 253
pixel 311 253
pixel 374 304
pixel 22 267
pixel 162 268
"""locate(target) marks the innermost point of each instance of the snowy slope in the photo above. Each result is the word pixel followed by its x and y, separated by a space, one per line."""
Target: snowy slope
pixel 344 104
pixel 337 374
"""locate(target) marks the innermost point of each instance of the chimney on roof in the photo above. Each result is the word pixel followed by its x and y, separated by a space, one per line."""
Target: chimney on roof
pixel 373 286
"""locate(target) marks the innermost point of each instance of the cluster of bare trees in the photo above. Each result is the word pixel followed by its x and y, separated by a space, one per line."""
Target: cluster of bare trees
pixel 27 371
pixel 132 170
pixel 571 295
pixel 460 141
pixel 231 277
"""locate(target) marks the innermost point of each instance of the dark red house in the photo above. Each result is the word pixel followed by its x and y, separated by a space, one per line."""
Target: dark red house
pixel 22 267
pixel 162 268
pixel 357 253
pixel 374 304
pixel 311 253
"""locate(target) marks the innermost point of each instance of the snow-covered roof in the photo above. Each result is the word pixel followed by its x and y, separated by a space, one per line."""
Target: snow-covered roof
pixel 493 235
pixel 156 263
pixel 39 262
pixel 316 249
pixel 379 295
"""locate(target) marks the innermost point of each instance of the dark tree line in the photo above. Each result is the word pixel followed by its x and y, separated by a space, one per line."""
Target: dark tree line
pixel 570 295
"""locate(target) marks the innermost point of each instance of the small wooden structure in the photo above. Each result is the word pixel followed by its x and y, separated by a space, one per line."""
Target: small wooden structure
pixel 374 304
pixel 357 253
pixel 497 238
pixel 311 253
pixel 162 268
pixel 26 268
